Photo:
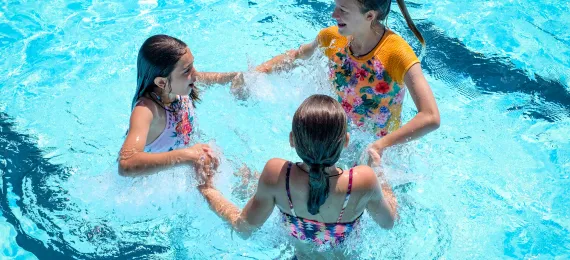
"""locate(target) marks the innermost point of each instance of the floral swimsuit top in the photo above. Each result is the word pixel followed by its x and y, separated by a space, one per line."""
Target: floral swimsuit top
pixel 179 124
pixel 370 88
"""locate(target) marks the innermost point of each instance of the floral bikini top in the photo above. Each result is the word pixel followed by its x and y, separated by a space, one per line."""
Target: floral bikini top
pixel 179 126
pixel 370 88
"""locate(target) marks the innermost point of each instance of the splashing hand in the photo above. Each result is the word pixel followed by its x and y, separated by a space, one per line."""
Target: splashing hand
pixel 238 88
pixel 205 162
pixel 375 154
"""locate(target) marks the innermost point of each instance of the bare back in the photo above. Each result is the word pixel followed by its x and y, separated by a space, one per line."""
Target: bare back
pixel 330 210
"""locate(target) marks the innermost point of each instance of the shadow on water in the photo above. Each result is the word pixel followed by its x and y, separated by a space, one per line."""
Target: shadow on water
pixel 24 167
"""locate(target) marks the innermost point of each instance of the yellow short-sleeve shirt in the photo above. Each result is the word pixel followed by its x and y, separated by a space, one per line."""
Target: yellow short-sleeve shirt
pixel 370 88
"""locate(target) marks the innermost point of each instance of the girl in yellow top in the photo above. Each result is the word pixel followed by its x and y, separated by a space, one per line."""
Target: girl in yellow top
pixel 371 68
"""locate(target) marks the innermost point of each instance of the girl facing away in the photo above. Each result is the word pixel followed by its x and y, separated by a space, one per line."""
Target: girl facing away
pixel 320 204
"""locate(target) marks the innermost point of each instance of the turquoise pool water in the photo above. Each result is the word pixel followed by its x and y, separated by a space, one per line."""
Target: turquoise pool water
pixel 491 183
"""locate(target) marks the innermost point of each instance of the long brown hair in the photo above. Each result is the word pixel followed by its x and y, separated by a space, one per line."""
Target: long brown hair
pixel 157 58
pixel 319 131
pixel 383 9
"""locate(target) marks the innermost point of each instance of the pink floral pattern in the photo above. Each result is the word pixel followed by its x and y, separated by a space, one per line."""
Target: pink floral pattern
pixel 179 127
pixel 368 94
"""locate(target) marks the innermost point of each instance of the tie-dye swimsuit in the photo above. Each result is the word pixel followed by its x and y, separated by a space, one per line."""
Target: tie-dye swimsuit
pixel 319 233
pixel 178 129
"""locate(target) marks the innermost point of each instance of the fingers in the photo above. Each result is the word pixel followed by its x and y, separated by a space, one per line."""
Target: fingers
pixel 374 158
pixel 209 159
pixel 201 173
pixel 215 162
pixel 238 80
pixel 213 159
pixel 207 163
pixel 208 151
pixel 238 88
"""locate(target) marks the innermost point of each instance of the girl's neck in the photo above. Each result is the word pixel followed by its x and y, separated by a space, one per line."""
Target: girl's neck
pixel 331 170
pixel 160 100
pixel 165 99
pixel 364 42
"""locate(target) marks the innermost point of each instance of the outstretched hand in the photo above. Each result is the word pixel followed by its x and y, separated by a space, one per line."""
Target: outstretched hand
pixel 238 88
pixel 375 155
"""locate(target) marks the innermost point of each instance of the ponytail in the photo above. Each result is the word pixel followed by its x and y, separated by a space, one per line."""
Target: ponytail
pixel 319 132
pixel 318 188
pixel 383 9
pixel 411 24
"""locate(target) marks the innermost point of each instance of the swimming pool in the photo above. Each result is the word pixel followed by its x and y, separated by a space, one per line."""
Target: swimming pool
pixel 490 183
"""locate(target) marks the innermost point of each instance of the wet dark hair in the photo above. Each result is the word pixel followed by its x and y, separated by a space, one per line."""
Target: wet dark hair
pixel 319 131
pixel 383 9
pixel 157 58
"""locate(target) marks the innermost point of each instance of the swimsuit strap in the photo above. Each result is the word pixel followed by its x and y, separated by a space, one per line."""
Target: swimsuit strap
pixel 288 190
pixel 347 196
